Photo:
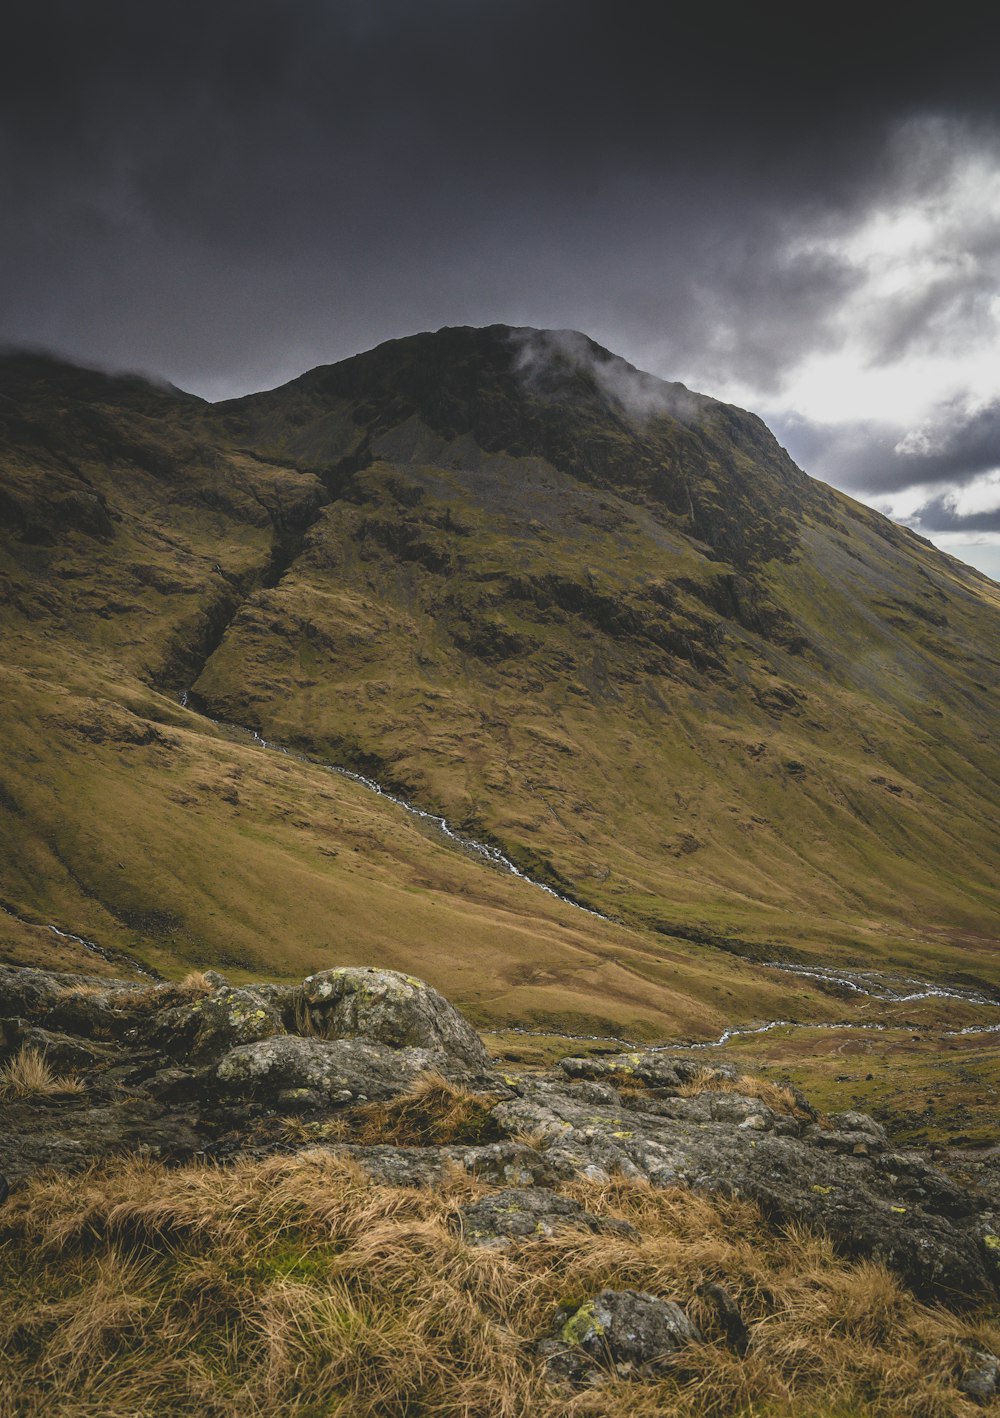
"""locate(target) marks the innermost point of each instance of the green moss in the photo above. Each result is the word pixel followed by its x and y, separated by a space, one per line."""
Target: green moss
pixel 582 1326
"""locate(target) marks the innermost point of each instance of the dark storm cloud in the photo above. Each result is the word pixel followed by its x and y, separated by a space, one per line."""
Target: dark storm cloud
pixel 224 190
pixel 954 448
pixel 227 193
pixel 940 515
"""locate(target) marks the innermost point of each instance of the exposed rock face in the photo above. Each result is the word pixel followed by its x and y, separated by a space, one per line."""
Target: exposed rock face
pixel 224 1073
pixel 628 1333
pixel 298 1071
pixel 395 1009
pixel 207 1028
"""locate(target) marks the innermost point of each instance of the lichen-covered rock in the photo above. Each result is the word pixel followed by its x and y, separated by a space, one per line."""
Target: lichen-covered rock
pixel 642 1067
pixel 283 999
pixel 25 992
pixel 91 1015
pixel 394 1009
pixel 855 1122
pixel 60 1050
pixel 206 1028
pixel 981 1380
pixel 338 1071
pixel 518 1213
pixel 34 993
pixel 622 1333
pixel 70 1134
pixel 894 1207
pixel 216 1076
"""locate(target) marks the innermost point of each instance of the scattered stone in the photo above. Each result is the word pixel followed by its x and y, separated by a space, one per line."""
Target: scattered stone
pixel 981 1381
pixel 853 1122
pixel 728 1314
pixel 520 1212
pixel 627 1334
pixel 299 1100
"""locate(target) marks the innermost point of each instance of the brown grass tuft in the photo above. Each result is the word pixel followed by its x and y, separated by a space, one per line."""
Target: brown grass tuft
pixel 433 1111
pixel 194 986
pixel 29 1074
pixel 748 1085
pixel 83 991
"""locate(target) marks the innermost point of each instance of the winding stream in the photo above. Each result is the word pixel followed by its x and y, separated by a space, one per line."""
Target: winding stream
pixel 493 855
pixel 871 984
pixel 113 957
pixel 875 984
pixel 867 984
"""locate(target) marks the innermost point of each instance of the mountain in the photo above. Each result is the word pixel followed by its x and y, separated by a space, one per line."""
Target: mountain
pixel 602 624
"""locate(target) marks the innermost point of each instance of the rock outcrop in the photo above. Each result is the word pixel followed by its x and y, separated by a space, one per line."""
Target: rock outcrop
pixel 209 1070
pixel 395 1009
pixel 628 1333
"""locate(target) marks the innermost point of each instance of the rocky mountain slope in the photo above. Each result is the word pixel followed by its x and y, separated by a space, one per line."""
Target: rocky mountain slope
pixel 604 625
pixel 215 1070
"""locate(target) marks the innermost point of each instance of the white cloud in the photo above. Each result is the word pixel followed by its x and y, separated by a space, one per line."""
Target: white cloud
pixel 916 321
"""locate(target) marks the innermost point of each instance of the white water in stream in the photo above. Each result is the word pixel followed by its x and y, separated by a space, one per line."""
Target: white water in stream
pixel 114 957
pixel 483 849
pixel 868 984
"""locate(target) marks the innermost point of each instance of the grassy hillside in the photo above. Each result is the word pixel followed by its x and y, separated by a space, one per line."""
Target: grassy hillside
pixel 609 628
pixel 795 742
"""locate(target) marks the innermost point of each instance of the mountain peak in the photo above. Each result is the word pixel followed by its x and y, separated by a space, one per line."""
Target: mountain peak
pixel 555 395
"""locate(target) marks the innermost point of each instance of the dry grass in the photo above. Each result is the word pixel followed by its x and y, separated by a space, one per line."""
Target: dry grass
pixel 29 1074
pixel 432 1112
pixel 83 991
pixel 297 1286
pixel 149 997
pixel 144 998
pixel 747 1085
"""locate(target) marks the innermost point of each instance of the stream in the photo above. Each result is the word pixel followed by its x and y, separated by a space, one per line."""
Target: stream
pixel 493 855
pixel 867 984
pixel 113 957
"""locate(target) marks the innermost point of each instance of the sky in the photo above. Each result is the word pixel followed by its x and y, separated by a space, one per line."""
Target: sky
pixel 793 208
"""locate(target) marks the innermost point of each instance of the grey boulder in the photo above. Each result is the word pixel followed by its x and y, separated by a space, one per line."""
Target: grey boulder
pixel 391 1008
pixel 519 1213
pixel 620 1333
pixel 334 1071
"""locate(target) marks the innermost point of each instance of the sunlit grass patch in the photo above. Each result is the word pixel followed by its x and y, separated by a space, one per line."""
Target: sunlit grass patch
pixel 297 1285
